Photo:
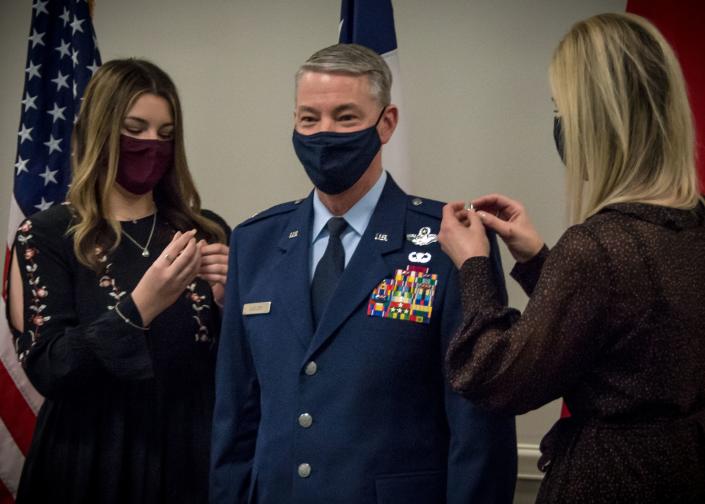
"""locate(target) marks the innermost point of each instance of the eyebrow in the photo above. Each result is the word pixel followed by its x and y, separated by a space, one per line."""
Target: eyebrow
pixel 304 108
pixel 143 122
pixel 345 107
pixel 337 110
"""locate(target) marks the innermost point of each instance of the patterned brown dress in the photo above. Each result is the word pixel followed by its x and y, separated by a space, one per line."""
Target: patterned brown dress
pixel 615 325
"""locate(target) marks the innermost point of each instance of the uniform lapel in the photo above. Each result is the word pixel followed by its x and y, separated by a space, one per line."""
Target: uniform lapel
pixel 367 266
pixel 292 273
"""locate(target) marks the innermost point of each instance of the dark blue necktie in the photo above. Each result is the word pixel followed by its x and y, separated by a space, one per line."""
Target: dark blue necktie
pixel 329 268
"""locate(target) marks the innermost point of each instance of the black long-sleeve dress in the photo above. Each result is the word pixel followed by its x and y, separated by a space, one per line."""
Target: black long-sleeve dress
pixel 615 325
pixel 127 414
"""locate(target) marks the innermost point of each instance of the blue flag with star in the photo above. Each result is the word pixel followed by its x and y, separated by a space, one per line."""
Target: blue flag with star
pixel 371 23
pixel 62 55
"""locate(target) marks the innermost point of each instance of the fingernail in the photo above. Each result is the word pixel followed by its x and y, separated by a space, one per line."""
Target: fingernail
pixel 482 215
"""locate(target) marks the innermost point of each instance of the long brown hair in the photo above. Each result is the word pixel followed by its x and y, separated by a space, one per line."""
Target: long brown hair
pixel 96 148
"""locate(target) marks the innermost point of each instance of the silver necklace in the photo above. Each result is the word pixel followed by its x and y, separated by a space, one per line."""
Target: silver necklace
pixel 145 249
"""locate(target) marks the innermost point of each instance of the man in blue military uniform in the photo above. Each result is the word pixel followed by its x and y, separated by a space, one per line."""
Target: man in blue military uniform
pixel 339 308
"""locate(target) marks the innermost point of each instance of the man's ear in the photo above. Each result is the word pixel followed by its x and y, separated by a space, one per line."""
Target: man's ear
pixel 388 123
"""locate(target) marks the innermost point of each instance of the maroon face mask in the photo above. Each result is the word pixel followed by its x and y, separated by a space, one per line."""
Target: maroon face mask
pixel 143 163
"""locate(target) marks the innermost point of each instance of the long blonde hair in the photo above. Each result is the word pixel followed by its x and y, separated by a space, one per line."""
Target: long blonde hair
pixel 627 125
pixel 96 148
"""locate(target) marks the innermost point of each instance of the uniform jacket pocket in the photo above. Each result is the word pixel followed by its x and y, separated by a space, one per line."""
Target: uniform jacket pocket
pixel 427 487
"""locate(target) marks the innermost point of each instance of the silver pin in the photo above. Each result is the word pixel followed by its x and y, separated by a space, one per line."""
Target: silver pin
pixel 420 257
pixel 423 237
pixel 294 234
pixel 469 206
pixel 381 237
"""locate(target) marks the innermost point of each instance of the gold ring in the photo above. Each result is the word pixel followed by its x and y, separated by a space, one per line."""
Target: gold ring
pixel 169 259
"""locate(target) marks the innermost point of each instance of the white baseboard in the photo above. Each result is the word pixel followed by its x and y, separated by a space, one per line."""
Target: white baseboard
pixel 528 457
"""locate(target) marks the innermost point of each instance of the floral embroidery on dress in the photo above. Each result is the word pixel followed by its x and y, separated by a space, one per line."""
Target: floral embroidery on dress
pixel 107 281
pixel 39 292
pixel 202 334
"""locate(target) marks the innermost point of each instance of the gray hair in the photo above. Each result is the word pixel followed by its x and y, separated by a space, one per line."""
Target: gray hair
pixel 353 59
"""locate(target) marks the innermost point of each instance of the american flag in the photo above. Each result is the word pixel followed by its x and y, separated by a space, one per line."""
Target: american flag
pixel 62 55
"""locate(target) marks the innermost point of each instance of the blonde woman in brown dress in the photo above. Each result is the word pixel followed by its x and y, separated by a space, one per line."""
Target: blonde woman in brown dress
pixel 615 321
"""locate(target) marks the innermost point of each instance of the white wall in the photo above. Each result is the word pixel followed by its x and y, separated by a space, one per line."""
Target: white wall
pixel 475 89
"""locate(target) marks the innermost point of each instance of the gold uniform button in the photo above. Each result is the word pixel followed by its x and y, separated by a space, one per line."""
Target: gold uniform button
pixel 311 368
pixel 304 470
pixel 305 420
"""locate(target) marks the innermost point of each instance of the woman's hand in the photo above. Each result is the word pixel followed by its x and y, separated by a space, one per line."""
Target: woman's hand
pixel 214 268
pixel 509 220
pixel 168 276
pixel 462 234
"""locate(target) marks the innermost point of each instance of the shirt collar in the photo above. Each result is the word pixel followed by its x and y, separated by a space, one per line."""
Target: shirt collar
pixel 673 218
pixel 357 217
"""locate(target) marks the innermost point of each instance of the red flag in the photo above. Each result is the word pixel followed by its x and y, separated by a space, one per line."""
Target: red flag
pixel 681 22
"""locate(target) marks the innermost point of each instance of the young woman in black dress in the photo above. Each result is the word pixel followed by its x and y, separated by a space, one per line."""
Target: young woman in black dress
pixel 114 306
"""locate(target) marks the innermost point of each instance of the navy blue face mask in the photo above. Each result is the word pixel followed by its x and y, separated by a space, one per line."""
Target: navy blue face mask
pixel 558 137
pixel 335 161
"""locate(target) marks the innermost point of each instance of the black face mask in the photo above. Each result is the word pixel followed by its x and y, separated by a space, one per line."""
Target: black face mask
pixel 335 161
pixel 558 137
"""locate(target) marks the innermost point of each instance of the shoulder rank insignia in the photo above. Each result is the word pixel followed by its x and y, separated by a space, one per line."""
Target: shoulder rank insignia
pixel 423 237
pixel 407 296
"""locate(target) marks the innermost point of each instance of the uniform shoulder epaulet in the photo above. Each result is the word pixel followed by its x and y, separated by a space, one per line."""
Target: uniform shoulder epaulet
pixel 426 206
pixel 271 212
